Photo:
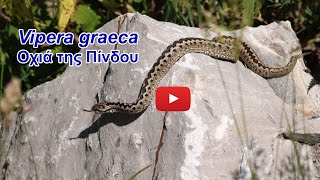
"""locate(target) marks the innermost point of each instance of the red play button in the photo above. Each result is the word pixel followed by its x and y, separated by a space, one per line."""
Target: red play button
pixel 173 98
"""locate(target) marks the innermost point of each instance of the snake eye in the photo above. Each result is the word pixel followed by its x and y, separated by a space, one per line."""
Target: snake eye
pixel 101 108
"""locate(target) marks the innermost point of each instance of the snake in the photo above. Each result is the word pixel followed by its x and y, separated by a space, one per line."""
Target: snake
pixel 222 48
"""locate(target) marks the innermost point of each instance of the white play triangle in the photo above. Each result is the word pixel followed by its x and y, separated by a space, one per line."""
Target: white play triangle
pixel 172 98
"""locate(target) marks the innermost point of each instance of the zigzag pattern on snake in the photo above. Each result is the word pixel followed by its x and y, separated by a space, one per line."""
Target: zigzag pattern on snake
pixel 222 49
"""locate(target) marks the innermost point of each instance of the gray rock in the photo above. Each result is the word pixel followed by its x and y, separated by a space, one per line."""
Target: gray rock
pixel 231 130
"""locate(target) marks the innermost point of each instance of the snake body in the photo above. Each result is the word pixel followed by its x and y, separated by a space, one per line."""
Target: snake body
pixel 223 49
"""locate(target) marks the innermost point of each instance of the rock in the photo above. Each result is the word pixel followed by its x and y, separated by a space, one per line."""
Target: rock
pixel 231 130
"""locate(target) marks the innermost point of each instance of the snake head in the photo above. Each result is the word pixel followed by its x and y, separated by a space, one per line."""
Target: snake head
pixel 103 108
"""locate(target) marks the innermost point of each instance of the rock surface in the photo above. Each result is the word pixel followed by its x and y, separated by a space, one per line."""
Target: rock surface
pixel 231 130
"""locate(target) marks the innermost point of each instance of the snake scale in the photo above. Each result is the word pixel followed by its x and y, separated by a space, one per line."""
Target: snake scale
pixel 222 48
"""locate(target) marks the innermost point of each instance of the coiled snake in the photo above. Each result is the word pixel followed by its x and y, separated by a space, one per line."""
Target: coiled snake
pixel 222 48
